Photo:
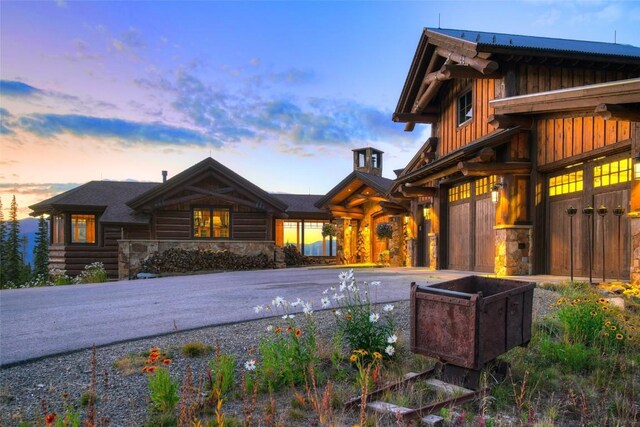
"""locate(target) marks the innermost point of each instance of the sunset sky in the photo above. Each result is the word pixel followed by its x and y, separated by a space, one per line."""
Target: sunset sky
pixel 279 92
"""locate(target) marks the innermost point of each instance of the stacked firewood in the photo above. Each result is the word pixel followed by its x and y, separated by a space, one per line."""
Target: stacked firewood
pixel 177 260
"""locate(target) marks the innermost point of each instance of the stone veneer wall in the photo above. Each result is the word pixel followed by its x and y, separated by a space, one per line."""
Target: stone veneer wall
pixel 132 252
pixel 513 250
pixel 634 273
pixel 433 251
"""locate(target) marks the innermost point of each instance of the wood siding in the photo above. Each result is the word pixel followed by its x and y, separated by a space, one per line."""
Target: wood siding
pixel 484 235
pixel 540 78
pixel 561 138
pixel 460 236
pixel 249 226
pixel 452 136
pixel 73 258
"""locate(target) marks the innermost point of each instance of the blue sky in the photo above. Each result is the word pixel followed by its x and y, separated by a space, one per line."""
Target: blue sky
pixel 280 92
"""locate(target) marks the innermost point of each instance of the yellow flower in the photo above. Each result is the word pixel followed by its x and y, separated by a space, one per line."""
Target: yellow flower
pixel 604 308
pixel 353 358
pixel 629 338
pixel 619 336
pixel 377 355
pixel 613 328
pixel 593 312
pixel 607 323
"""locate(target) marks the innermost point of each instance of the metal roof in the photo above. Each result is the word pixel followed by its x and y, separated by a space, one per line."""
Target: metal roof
pixel 483 39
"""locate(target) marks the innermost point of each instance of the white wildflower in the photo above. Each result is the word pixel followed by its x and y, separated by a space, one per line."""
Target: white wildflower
pixel 388 308
pixel 307 308
pixel 352 287
pixel 375 283
pixel 325 302
pixel 392 339
pixel 343 286
pixel 269 328
pixel 337 313
pixel 250 365
pixel 374 317
pixel 258 308
pixel 390 350
pixel 326 291
pixel 288 316
pixel 277 301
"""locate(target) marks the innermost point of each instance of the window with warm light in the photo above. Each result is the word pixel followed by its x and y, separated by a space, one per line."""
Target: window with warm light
pixel 83 228
pixel 57 232
pixel 210 222
pixel 307 236
pixel 460 192
pixel 571 182
pixel 484 185
pixel 612 173
pixel 465 107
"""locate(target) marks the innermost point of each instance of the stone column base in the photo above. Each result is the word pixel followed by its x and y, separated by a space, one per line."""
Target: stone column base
pixel 513 250
pixel 433 251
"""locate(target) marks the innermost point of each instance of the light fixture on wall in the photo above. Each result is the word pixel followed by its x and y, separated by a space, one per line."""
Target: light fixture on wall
pixel 636 168
pixel 495 191
pixel 426 211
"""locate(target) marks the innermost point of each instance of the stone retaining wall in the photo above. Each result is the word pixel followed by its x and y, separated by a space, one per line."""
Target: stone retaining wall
pixel 132 252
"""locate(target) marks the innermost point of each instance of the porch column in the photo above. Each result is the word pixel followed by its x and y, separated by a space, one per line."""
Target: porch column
pixel 634 273
pixel 513 250
pixel 342 225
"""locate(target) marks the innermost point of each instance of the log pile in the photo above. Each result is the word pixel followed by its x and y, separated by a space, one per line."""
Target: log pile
pixel 177 260
pixel 293 257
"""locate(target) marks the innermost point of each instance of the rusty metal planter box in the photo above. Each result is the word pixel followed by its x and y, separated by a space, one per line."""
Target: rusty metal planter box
pixel 470 321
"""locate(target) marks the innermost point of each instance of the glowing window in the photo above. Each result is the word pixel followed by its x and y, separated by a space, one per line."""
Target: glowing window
pixel 612 173
pixel 57 234
pixel 460 192
pixel 571 182
pixel 211 222
pixel 483 185
pixel 83 228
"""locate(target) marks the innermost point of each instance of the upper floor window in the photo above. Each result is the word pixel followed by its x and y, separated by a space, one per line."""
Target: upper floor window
pixel 83 228
pixel 57 232
pixel 211 222
pixel 465 104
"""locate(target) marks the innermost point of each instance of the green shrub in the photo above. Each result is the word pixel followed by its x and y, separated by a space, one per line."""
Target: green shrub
pixel 163 391
pixel 92 273
pixel 221 374
pixel 363 326
pixel 196 349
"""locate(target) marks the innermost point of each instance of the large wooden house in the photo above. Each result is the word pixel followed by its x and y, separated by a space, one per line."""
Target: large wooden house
pixel 529 167
pixel 205 206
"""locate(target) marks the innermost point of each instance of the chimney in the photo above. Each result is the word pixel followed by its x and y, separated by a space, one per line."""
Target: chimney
pixel 164 176
pixel 368 160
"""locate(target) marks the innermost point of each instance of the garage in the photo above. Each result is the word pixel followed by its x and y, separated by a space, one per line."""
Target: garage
pixel 603 182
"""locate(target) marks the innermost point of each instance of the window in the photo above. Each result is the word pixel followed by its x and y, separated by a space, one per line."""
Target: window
pixel 374 161
pixel 460 192
pixel 483 185
pixel 211 222
pixel 57 234
pixel 612 173
pixel 571 182
pixel 83 228
pixel 465 110
pixel 306 235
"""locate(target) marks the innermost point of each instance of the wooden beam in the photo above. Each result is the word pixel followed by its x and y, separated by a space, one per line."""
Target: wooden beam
pixel 445 172
pixel 485 66
pixel 353 215
pixel 503 121
pixel 455 71
pixel 615 112
pixel 427 156
pixel 417 191
pixel 414 118
pixel 356 200
pixel 485 155
pixel 487 169
pixel 409 126
pixel 345 210
pixel 208 192
pixel 427 96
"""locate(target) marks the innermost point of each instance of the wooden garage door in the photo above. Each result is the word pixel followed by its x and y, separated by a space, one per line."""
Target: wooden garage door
pixel 471 236
pixel 605 182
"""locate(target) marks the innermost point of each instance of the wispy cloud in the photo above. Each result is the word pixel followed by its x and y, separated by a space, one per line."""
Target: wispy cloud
pixel 41 190
pixel 17 89
pixel 129 42
pixel 128 132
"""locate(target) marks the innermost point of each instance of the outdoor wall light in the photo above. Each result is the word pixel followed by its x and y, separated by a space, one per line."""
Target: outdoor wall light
pixel 636 168
pixel 426 212
pixel 495 191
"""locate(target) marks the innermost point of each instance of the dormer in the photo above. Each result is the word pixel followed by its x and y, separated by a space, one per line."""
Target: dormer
pixel 368 160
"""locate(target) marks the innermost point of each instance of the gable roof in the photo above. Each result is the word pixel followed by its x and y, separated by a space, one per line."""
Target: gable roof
pixel 108 197
pixel 378 183
pixel 206 165
pixel 493 42
pixel 303 205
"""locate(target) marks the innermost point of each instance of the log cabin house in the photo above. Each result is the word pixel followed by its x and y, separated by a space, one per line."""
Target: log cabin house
pixel 530 165
pixel 205 206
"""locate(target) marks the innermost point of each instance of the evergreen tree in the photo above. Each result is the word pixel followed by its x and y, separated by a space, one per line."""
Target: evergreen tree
pixel 13 258
pixel 41 250
pixel 3 240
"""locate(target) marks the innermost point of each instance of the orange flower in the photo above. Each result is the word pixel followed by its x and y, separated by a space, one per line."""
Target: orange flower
pixel 348 316
pixel 149 369
pixel 290 329
pixel 278 330
pixel 154 350
pixel 50 419
pixel 298 332
pixel 167 361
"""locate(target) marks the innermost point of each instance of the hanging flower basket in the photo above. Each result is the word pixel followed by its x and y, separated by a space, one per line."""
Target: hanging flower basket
pixel 384 230
pixel 329 230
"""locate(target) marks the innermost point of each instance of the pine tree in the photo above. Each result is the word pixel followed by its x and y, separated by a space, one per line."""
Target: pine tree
pixel 3 240
pixel 41 250
pixel 13 258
